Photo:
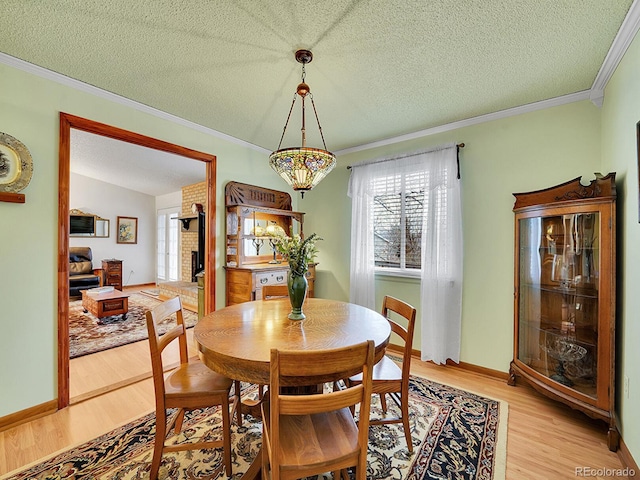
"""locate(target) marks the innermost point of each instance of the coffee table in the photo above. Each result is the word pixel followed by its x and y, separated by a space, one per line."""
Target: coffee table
pixel 106 304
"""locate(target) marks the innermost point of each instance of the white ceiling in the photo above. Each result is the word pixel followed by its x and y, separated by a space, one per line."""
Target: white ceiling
pixel 381 68
pixel 137 168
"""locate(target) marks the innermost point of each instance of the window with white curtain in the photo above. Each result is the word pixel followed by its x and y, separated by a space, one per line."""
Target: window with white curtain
pixel 407 220
pixel 398 212
pixel 397 221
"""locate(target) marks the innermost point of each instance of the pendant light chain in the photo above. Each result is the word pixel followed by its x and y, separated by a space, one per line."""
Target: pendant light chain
pixel 317 120
pixel 293 103
pixel 295 96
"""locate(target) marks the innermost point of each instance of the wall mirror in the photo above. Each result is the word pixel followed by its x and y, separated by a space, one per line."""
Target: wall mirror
pixel 82 224
pixel 262 231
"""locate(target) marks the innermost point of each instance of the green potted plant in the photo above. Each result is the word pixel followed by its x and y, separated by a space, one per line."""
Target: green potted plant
pixel 299 253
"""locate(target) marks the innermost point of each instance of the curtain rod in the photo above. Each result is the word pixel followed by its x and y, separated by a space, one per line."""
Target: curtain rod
pixel 459 146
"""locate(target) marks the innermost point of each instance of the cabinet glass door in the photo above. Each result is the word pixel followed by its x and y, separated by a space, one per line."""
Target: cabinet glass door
pixel 558 298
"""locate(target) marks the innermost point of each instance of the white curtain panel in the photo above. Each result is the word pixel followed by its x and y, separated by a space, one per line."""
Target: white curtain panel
pixel 362 275
pixel 441 283
pixel 441 287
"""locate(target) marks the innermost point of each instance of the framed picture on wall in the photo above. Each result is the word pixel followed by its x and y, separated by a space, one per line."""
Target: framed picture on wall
pixel 127 230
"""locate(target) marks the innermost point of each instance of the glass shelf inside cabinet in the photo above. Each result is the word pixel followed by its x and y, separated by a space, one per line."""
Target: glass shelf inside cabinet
pixel 558 307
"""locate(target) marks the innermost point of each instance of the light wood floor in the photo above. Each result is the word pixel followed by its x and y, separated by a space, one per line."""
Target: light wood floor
pixel 96 374
pixel 545 440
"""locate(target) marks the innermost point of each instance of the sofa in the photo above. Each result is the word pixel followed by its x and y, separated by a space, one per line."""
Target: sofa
pixel 82 275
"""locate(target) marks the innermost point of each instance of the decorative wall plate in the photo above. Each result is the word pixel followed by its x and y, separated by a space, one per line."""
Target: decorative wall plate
pixel 16 165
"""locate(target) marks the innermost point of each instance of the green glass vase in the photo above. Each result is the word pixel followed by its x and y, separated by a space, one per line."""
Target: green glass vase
pixel 297 285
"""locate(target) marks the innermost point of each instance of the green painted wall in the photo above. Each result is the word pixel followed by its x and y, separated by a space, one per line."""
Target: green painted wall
pixel 522 153
pixel 29 109
pixel 620 113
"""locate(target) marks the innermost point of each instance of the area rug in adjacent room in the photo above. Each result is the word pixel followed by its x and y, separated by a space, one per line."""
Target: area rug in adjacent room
pixel 456 435
pixel 88 334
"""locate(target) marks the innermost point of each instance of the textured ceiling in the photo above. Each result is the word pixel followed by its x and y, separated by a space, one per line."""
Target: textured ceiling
pixel 381 68
pixel 148 171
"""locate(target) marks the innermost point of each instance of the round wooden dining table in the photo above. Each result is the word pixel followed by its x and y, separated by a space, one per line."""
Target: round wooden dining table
pixel 236 341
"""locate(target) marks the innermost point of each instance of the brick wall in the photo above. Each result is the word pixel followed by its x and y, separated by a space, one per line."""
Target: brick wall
pixel 196 193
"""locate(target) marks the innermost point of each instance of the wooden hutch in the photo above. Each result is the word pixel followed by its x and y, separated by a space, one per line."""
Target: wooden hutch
pixel 251 261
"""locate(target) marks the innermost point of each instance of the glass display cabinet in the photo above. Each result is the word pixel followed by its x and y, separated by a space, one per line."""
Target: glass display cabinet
pixel 564 343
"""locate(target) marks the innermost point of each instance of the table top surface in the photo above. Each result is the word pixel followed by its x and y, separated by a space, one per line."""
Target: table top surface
pixel 237 340
pixel 115 293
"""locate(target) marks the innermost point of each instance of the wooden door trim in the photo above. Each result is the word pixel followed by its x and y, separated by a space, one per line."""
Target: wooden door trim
pixel 67 122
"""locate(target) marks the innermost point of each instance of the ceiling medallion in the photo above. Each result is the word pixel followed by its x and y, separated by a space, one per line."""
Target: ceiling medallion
pixel 302 167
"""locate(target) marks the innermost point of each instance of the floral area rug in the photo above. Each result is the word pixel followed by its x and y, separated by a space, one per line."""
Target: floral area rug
pixel 88 334
pixel 456 435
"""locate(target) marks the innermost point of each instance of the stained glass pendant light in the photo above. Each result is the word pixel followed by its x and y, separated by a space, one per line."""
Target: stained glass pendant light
pixel 302 167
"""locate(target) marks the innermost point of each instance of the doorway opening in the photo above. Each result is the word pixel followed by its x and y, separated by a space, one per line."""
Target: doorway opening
pixel 67 123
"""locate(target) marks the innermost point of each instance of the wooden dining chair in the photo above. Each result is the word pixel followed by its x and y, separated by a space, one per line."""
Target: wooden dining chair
pixel 309 434
pixel 388 377
pixel 191 385
pixel 271 292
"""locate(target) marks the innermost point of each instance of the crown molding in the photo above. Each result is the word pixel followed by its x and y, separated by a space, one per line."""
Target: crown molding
pixel 531 107
pixel 98 92
pixel 621 42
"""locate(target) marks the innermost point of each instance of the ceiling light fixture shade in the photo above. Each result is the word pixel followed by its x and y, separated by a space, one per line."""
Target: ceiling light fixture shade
pixel 302 167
